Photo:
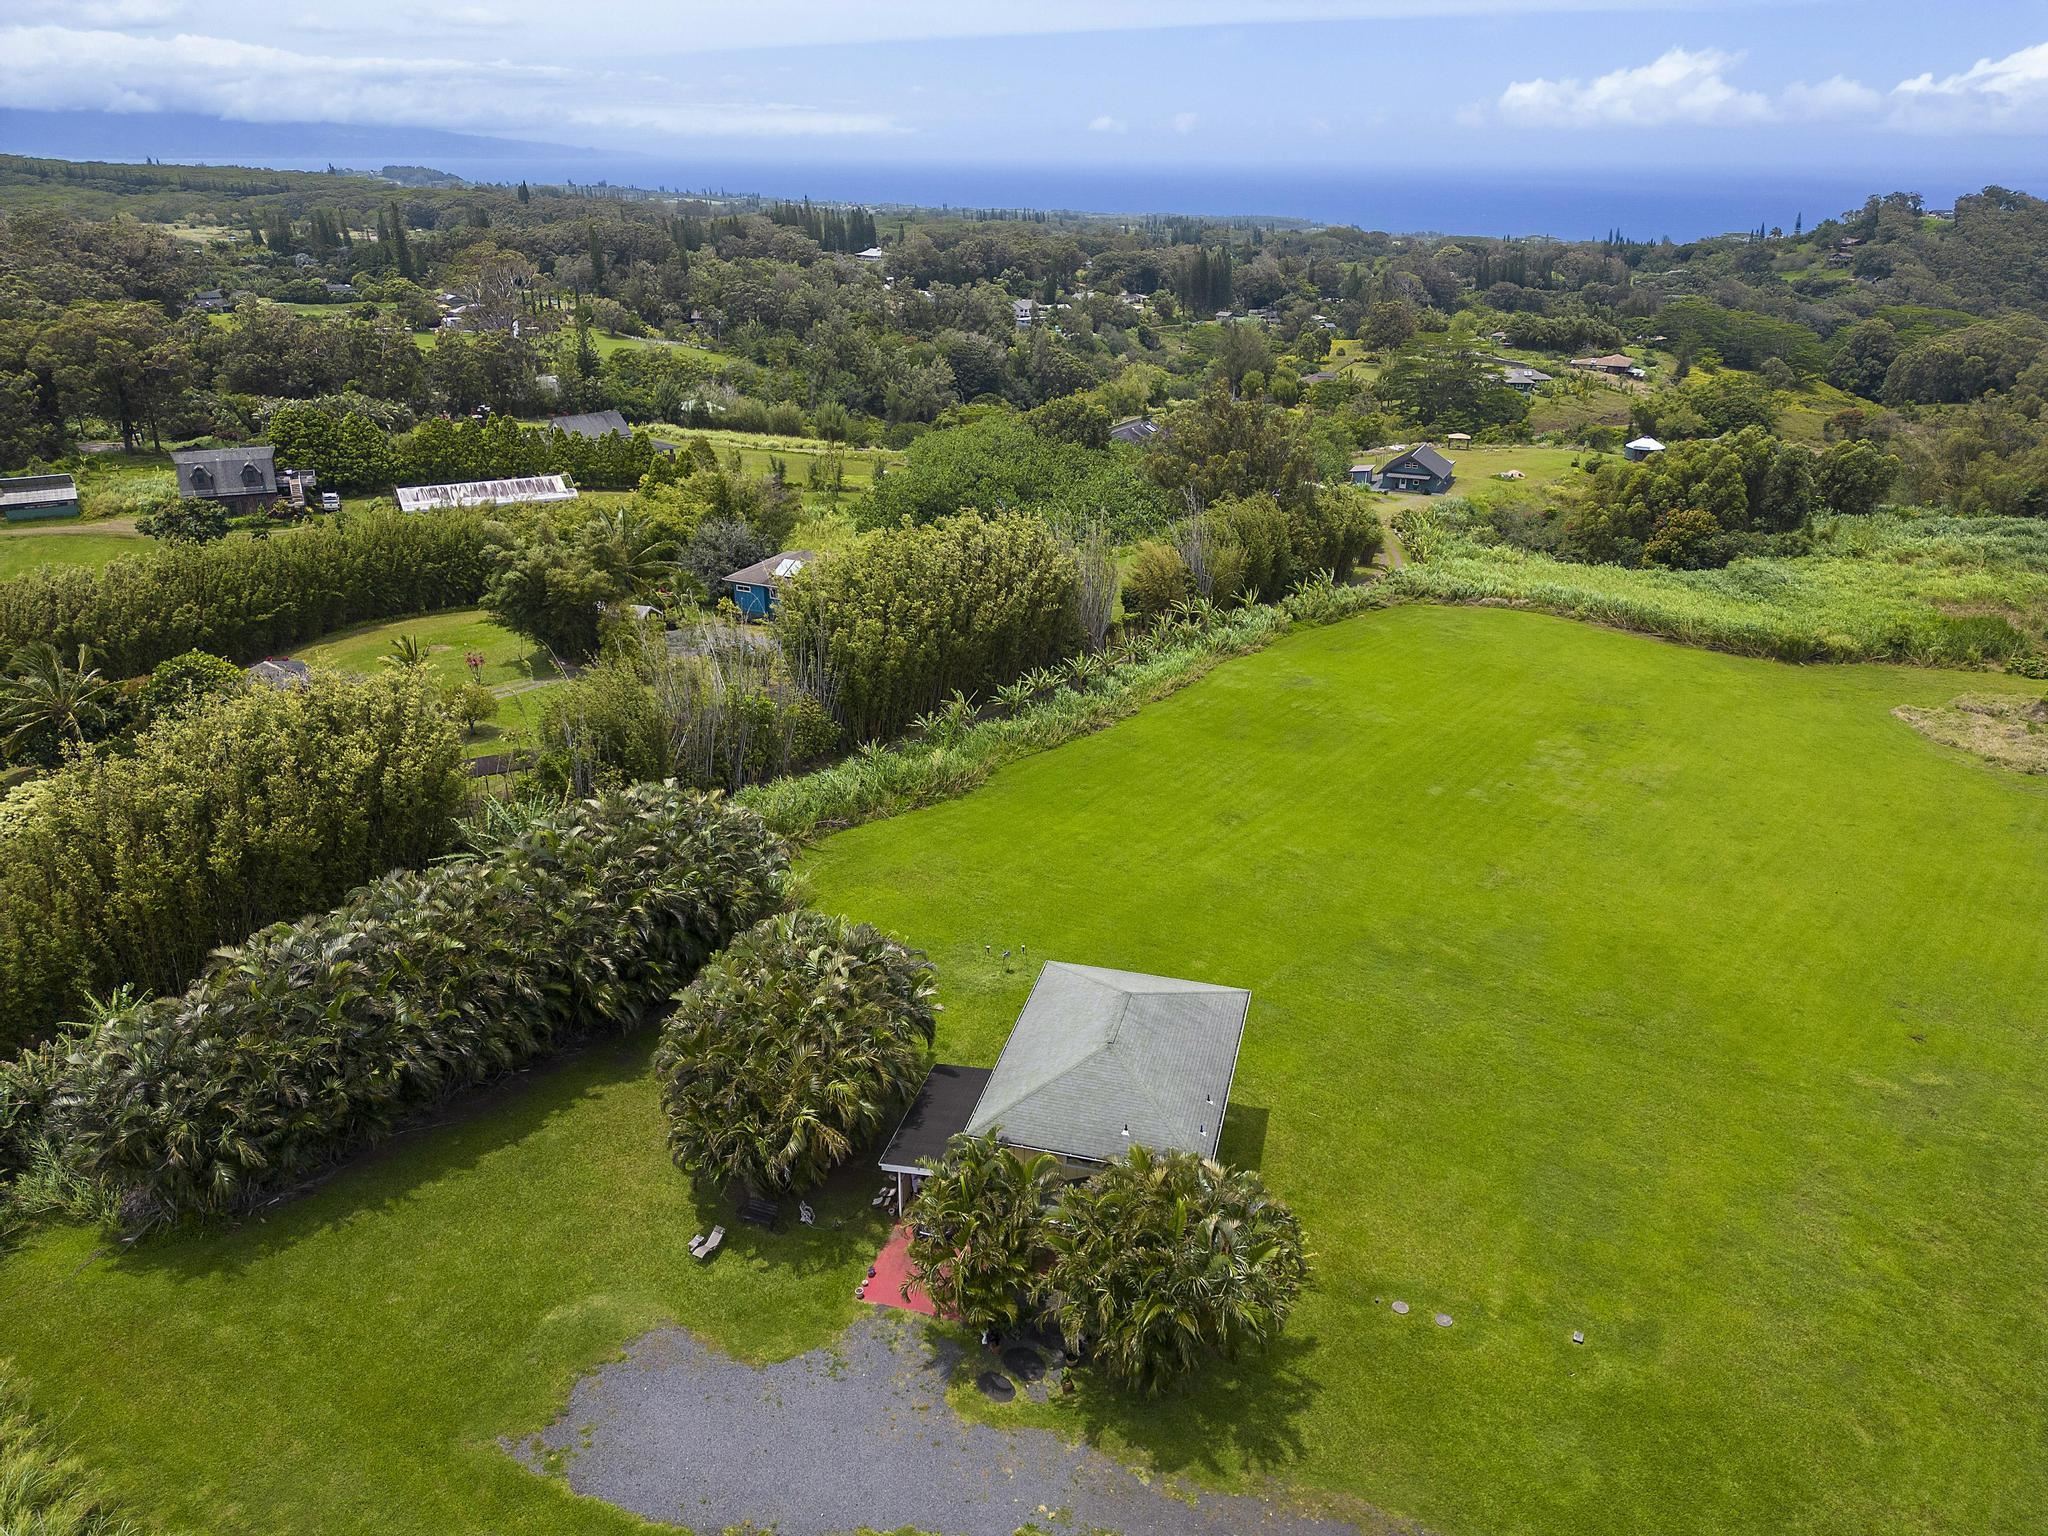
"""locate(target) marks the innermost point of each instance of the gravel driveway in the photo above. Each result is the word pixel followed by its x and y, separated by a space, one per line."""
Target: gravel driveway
pixel 856 1435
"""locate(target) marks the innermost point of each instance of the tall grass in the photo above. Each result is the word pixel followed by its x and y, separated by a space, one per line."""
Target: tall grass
pixel 44 1489
pixel 1936 591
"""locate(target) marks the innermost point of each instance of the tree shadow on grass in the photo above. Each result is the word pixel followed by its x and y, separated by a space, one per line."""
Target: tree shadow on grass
pixel 456 1137
pixel 451 1138
pixel 1236 1417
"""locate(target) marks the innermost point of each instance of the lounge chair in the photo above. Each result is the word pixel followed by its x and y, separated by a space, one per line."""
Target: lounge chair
pixel 805 1214
pixel 702 1248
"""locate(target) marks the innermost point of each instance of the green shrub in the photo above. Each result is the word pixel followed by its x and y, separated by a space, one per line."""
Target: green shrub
pixel 978 1232
pixel 715 721
pixel 233 812
pixel 914 614
pixel 186 680
pixel 249 598
pixel 320 1036
pixel 801 1042
pixel 1158 580
pixel 1164 1261
pixel 878 781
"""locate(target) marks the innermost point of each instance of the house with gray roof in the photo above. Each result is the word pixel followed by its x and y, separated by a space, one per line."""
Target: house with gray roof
pixel 592 424
pixel 1099 1061
pixel 238 478
pixel 753 586
pixel 1421 469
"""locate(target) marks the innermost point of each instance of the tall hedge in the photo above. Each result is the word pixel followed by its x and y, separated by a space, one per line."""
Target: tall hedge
pixel 248 598
pixel 913 614
pixel 235 812
pixel 321 1036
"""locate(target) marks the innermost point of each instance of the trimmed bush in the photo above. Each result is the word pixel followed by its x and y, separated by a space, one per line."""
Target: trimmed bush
pixel 321 1036
pixel 249 598
pixel 231 812
pixel 913 614
pixel 794 1047
pixel 1163 1261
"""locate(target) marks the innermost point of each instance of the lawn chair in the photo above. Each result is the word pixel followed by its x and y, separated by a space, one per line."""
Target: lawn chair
pixel 805 1214
pixel 701 1248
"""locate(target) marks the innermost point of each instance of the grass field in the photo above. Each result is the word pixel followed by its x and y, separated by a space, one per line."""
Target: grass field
pixel 450 637
pixel 1689 1000
pixel 28 546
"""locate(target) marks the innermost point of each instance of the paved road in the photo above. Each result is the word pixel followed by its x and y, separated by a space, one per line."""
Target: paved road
pixel 857 1435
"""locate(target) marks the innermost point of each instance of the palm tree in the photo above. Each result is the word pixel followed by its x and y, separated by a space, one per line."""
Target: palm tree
pixel 44 699
pixel 978 1233
pixel 407 651
pixel 624 545
pixel 790 1050
pixel 1163 1261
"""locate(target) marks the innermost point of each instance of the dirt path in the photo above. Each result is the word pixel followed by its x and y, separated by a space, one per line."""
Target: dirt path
pixel 123 525
pixel 1391 556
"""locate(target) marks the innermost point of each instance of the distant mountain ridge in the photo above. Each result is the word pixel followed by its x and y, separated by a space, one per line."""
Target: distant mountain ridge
pixel 179 136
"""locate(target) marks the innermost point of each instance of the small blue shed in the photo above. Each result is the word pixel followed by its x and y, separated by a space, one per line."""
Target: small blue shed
pixel 753 586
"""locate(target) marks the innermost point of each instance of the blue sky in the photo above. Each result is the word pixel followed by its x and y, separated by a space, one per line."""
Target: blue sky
pixel 1956 92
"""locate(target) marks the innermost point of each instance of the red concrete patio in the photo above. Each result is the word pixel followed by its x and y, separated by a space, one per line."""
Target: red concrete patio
pixel 892 1271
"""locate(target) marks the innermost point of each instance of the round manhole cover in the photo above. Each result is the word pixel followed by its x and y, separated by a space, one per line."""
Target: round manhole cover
pixel 1023 1363
pixel 994 1384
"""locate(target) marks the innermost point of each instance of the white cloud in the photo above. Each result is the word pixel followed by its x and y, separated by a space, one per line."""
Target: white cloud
pixel 1681 86
pixel 2011 92
pixel 1687 87
pixel 1107 124
pixel 1834 98
pixel 1185 122
pixel 68 68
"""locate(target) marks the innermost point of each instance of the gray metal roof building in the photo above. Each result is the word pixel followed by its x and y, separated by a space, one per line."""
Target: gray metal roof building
pixel 30 496
pixel 1102 1059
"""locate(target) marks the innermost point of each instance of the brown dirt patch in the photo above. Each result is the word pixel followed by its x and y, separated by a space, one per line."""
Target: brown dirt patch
pixel 2007 730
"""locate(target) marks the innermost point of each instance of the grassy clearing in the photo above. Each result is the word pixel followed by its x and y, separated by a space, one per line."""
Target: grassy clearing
pixel 1687 1000
pixel 1690 1000
pixel 28 547
pixel 450 638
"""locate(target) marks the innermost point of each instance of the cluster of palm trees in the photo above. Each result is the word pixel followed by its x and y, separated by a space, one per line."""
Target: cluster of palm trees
pixel 1151 1267
pixel 791 1049
pixel 48 702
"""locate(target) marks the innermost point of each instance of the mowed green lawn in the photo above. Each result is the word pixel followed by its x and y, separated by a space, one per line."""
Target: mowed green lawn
pixel 450 638
pixel 1688 1000
pixel 29 548
pixel 1692 1002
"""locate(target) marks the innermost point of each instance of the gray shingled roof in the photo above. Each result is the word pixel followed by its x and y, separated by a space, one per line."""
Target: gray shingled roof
pixel 593 424
pixel 1424 457
pixel 225 470
pixel 1100 1053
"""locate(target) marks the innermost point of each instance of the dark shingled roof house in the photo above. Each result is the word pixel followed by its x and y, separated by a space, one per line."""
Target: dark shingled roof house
pixel 237 476
pixel 1421 469
pixel 1099 1061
